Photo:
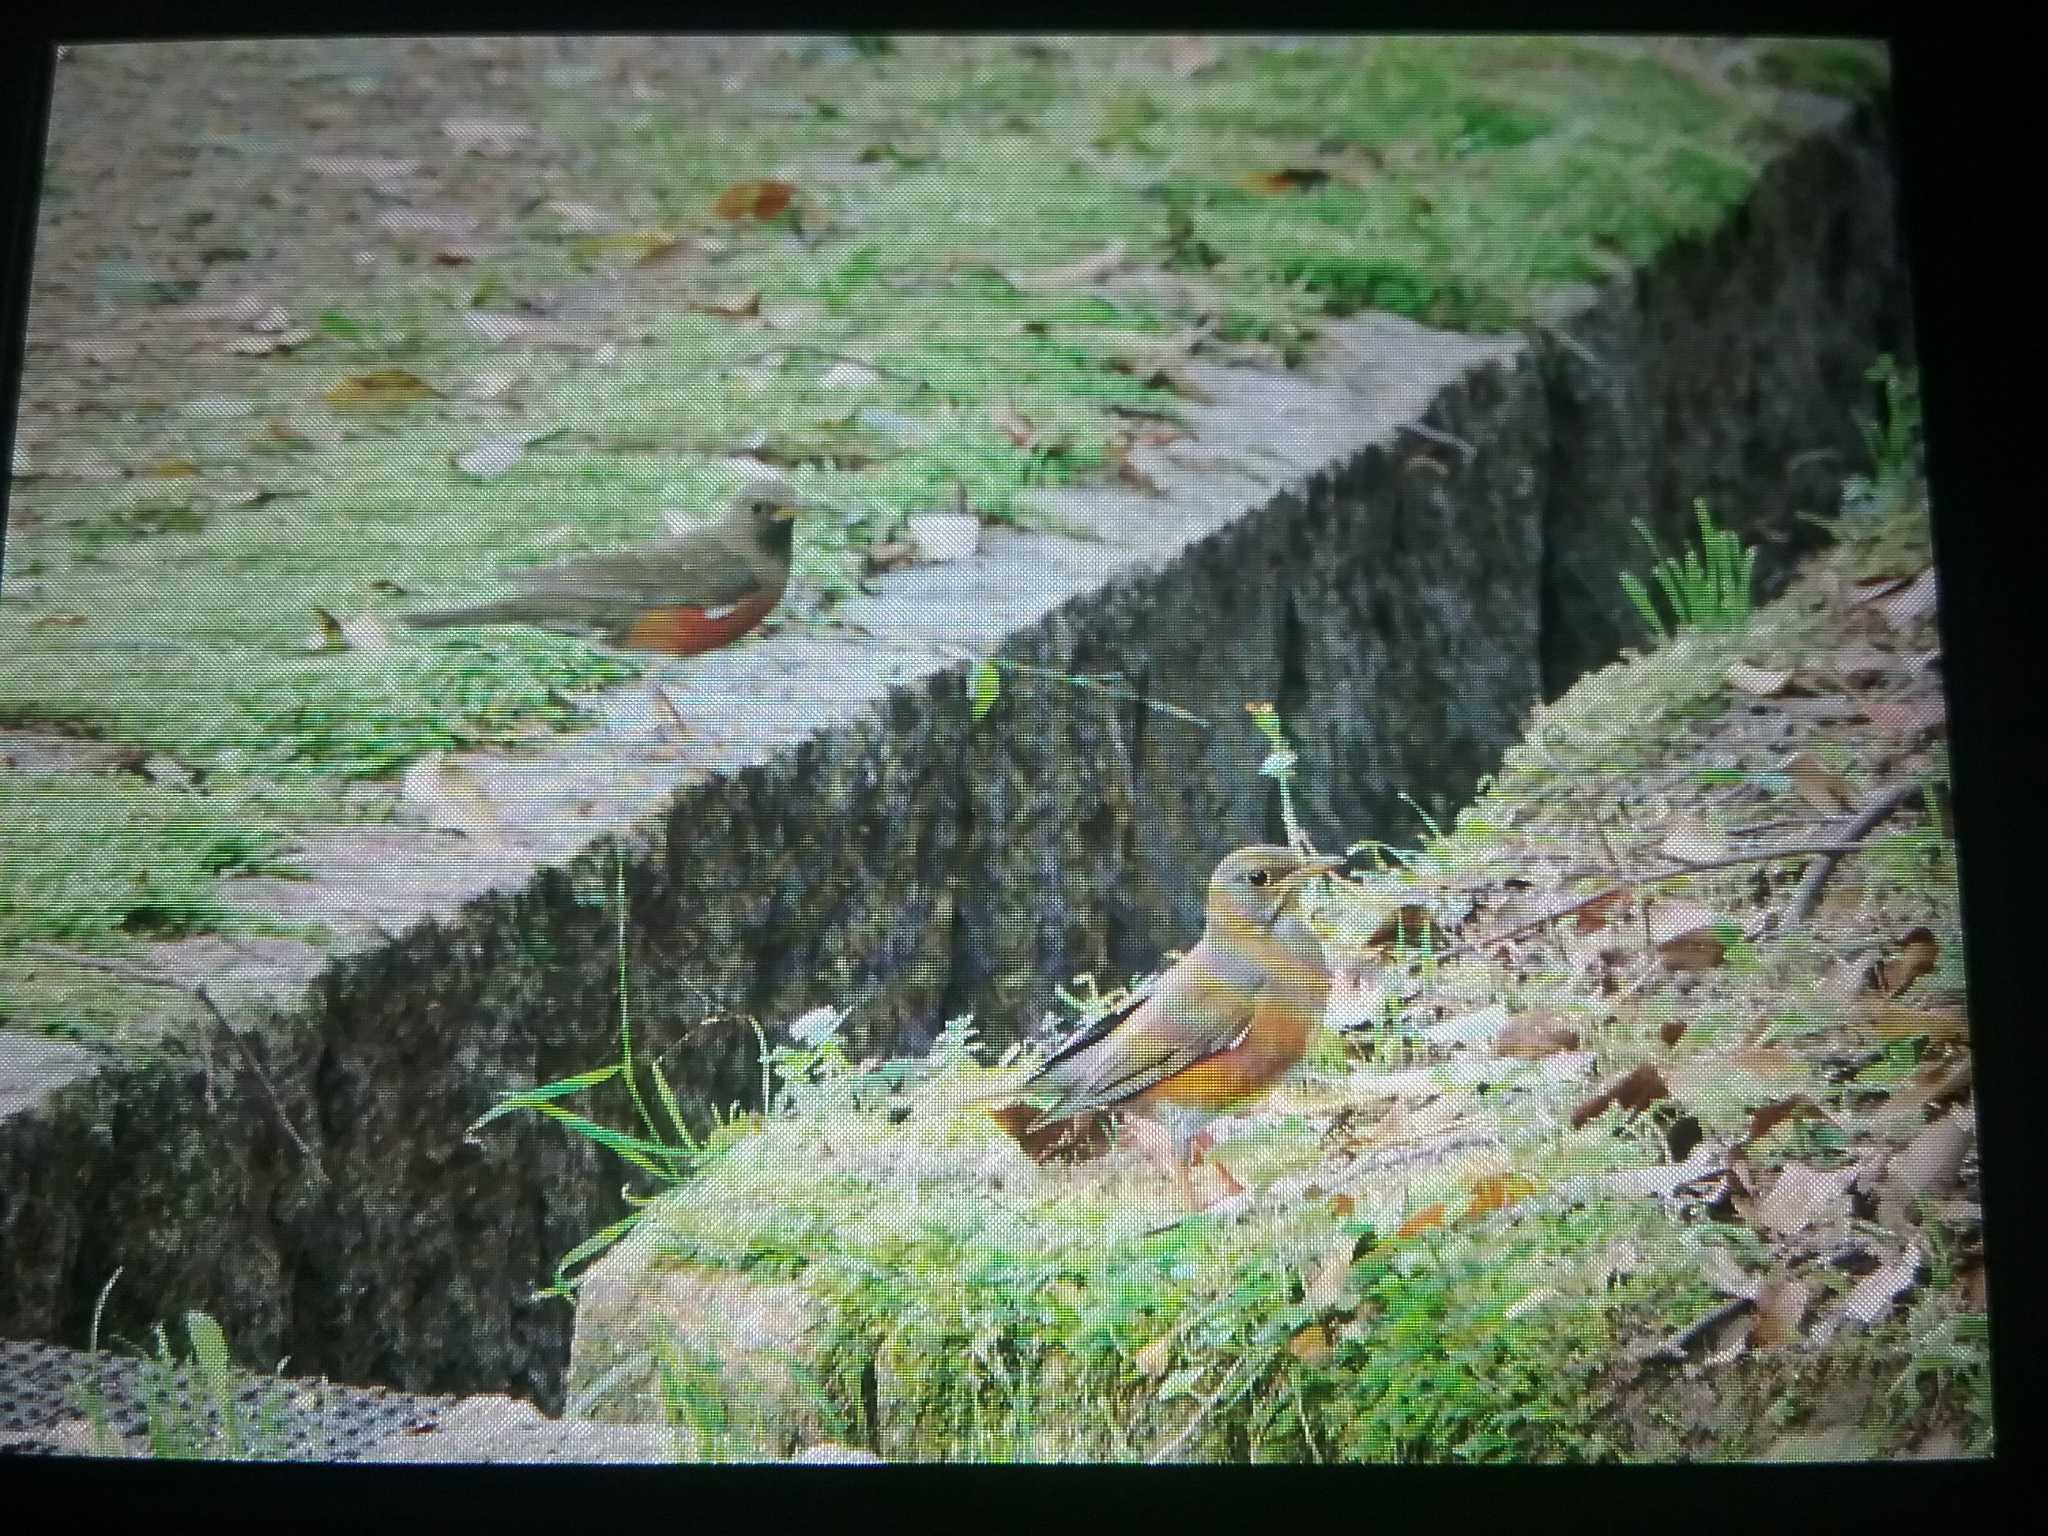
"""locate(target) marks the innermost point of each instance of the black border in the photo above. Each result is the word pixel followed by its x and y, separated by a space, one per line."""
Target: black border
pixel 1963 96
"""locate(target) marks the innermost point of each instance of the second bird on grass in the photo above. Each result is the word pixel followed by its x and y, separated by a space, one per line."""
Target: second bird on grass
pixel 1230 1018
pixel 680 596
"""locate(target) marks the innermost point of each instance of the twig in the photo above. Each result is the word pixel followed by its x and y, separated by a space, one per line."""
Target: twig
pixel 262 1077
pixel 1807 897
pixel 151 978
pixel 1675 1347
pixel 1445 439
pixel 1622 887
pixel 1202 1412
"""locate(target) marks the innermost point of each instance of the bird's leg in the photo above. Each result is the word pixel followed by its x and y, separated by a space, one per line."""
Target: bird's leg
pixel 1201 1149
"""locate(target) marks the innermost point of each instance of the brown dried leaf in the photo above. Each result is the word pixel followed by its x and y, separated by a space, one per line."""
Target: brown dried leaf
pixel 383 390
pixel 1408 927
pixel 1596 915
pixel 638 248
pixel 1639 1089
pixel 1802 1195
pixel 1767 1119
pixel 1530 1036
pixel 1918 954
pixel 1692 841
pixel 1933 1160
pixel 1874 1296
pixel 1328 1277
pixel 1820 786
pixel 1911 604
pixel 1756 681
pixel 1908 717
pixel 1154 1358
pixel 1780 1308
pixel 1311 1346
pixel 734 306
pixel 485 136
pixel 1889 1019
pixel 1685 937
pixel 1672 1031
pixel 754 199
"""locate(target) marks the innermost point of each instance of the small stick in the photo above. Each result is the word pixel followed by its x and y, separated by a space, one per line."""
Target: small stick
pixel 149 978
pixel 1807 897
pixel 1675 1347
pixel 1792 851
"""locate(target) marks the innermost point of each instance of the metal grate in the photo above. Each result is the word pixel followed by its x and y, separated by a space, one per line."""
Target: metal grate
pixel 44 1390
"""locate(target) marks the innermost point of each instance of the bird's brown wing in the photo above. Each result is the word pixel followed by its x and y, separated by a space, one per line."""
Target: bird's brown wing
pixel 700 574
pixel 1191 1014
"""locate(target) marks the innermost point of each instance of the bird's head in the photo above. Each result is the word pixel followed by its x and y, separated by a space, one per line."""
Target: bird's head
pixel 1257 886
pixel 767 507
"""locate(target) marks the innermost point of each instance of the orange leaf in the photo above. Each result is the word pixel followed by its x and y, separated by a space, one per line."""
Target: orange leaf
pixel 1532 1036
pixel 1498 1191
pixel 1428 1217
pixel 758 199
pixel 1595 915
pixel 1637 1091
pixel 1915 959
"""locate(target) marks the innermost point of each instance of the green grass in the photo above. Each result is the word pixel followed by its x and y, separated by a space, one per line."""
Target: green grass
pixel 170 611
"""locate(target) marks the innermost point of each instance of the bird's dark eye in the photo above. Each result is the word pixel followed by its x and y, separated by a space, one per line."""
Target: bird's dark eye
pixel 1258 877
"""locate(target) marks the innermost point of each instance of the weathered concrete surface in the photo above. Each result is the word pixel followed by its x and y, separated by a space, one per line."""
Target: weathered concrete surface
pixel 1385 544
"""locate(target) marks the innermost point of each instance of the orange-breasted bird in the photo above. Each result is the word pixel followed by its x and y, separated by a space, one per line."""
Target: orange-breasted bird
pixel 1225 1023
pixel 682 595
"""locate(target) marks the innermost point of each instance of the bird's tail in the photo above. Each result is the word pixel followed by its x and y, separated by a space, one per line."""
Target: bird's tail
pixel 477 613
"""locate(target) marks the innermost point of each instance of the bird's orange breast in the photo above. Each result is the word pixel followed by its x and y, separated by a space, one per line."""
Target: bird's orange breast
pixel 1279 1035
pixel 687 631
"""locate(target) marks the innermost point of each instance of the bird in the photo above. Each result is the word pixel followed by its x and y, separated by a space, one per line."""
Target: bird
pixel 681 596
pixel 1221 1026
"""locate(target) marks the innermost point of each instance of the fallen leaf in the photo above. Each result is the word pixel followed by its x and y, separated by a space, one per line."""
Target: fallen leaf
pixel 1870 588
pixel 1329 1276
pixel 1312 1345
pixel 1597 914
pixel 1820 786
pixel 1756 681
pixel 1908 717
pixel 1933 1160
pixel 1802 1195
pixel 638 248
pixel 492 457
pixel 1686 937
pixel 359 633
pixel 449 795
pixel 1873 1297
pixel 1635 1092
pixel 485 136
pixel 1972 1292
pixel 1116 453
pixel 1188 56
pixel 1154 1358
pixel 1531 1036
pixel 941 536
pixel 169 469
pixel 1424 1220
pixel 1083 273
pixel 1918 954
pixel 1892 1020
pixel 734 306
pixel 584 218
pixel 1288 179
pixel 1671 1031
pixel 368 167
pixel 428 221
pixel 1692 841
pixel 1343 1206
pixel 1767 1119
pixel 1860 664
pixel 1020 430
pixel 61 621
pixel 1911 604
pixel 845 375
pixel 1780 1307
pixel 753 199
pixel 386 389
pixel 1496 1192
